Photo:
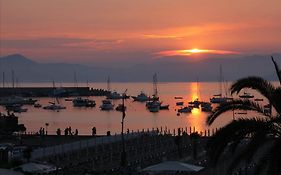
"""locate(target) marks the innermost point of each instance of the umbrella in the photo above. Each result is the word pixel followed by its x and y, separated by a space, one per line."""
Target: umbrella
pixel 173 166
pixel 38 168
pixel 9 172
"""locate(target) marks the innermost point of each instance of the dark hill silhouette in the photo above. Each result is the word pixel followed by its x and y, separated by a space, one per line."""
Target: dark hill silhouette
pixel 176 69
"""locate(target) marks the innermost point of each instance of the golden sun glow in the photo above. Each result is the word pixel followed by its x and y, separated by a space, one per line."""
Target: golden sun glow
pixel 188 52
pixel 194 50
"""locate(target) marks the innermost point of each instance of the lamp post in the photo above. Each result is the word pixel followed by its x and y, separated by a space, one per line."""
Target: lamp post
pixel 123 153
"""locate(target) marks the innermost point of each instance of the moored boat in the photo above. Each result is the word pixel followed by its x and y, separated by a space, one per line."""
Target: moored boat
pixel 180 103
pixel 106 105
pixel 54 107
pixel 164 107
pixel 81 102
pixel 184 110
pixel 142 97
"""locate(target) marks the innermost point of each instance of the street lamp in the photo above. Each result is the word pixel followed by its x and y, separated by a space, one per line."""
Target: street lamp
pixel 123 153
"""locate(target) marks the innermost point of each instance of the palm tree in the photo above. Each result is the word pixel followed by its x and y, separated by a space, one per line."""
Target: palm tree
pixel 258 138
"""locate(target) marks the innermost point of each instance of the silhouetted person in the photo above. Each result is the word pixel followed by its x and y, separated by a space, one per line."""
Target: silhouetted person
pixel 94 131
pixel 58 132
pixel 76 132
pixel 66 131
pixel 69 131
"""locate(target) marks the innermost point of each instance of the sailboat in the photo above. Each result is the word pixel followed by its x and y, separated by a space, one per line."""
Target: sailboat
pixel 55 104
pixel 112 95
pixel 218 98
pixel 154 105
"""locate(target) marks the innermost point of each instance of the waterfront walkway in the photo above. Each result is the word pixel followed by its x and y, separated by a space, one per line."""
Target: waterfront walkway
pixel 102 155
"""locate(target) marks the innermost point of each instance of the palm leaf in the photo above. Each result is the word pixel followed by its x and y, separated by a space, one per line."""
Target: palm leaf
pixel 234 132
pixel 278 72
pixel 234 105
pixel 262 86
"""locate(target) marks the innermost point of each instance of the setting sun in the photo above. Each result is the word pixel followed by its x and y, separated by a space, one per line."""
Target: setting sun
pixel 195 50
pixel 188 52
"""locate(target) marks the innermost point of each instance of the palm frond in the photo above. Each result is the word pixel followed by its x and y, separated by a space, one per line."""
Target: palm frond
pixel 234 105
pixel 248 151
pixel 234 132
pixel 276 98
pixel 274 158
pixel 278 72
pixel 259 84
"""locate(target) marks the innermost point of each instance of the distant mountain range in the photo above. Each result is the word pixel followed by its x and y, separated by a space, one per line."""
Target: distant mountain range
pixel 168 70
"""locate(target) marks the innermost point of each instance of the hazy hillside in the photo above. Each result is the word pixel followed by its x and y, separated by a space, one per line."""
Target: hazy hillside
pixel 27 70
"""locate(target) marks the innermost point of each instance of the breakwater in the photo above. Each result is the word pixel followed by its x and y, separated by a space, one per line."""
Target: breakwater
pixel 50 91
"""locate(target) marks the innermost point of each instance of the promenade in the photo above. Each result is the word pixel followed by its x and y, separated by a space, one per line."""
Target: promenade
pixel 102 155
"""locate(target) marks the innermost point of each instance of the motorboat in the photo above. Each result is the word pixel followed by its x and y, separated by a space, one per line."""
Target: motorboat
pixel 218 99
pixel 206 107
pixel 164 107
pixel 29 101
pixel 54 107
pixel 194 104
pixel 19 110
pixel 114 95
pixel 142 97
pixel 185 110
pixel 178 97
pixel 12 100
pixel 154 108
pixel 153 103
pixel 106 105
pixel 80 102
pixel 180 103
pixel 16 108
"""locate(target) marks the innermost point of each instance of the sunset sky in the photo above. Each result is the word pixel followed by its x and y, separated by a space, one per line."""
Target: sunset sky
pixel 102 31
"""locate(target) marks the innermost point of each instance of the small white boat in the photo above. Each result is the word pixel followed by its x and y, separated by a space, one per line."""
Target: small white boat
pixel 80 102
pixel 142 97
pixel 106 105
pixel 164 107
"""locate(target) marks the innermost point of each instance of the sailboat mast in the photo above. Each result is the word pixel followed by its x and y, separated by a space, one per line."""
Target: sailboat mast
pixel 75 80
pixel 220 80
pixel 3 79
pixel 155 85
pixel 13 79
pixel 108 84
